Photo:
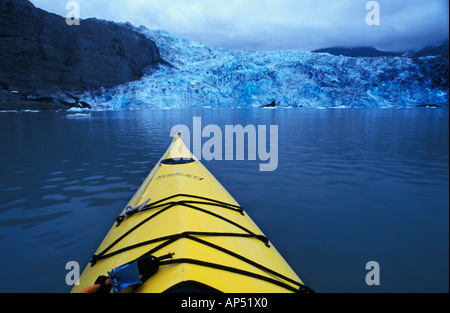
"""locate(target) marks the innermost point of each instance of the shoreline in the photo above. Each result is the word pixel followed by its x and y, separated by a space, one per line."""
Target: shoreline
pixel 22 100
pixel 42 106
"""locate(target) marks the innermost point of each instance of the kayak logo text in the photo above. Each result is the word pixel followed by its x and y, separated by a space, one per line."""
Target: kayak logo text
pixel 219 147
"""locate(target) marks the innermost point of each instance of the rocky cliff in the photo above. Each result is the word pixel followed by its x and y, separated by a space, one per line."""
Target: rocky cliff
pixel 44 62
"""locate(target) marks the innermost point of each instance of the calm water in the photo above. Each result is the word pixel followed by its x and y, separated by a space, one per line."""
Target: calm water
pixel 352 186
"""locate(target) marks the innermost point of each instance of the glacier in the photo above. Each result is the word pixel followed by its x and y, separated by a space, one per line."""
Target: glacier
pixel 201 76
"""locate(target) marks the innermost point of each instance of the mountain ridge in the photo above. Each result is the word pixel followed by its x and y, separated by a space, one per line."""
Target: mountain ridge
pixel 439 49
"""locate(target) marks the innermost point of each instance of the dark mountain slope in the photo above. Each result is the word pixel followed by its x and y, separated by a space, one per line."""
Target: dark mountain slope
pixel 40 55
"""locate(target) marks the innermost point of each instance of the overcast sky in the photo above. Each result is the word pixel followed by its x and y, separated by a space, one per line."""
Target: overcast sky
pixel 278 24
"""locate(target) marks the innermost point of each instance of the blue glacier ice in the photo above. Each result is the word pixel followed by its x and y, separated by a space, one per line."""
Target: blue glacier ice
pixel 202 76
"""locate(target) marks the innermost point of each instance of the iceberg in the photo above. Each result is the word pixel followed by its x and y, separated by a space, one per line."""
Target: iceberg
pixel 197 75
pixel 78 115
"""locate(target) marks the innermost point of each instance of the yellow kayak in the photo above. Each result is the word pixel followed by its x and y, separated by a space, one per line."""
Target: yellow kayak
pixel 183 232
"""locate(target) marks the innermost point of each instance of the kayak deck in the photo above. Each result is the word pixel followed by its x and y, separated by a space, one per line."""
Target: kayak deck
pixel 210 244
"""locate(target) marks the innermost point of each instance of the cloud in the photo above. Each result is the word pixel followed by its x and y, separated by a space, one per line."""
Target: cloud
pixel 280 24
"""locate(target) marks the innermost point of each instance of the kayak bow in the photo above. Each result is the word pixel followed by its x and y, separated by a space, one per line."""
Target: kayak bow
pixel 183 232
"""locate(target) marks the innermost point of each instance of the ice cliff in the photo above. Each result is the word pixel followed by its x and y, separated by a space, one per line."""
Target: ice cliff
pixel 202 76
